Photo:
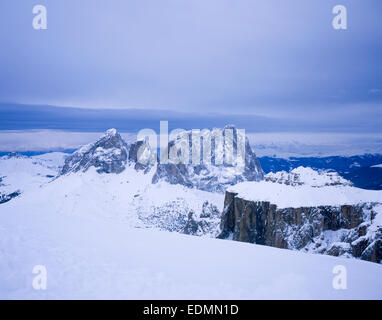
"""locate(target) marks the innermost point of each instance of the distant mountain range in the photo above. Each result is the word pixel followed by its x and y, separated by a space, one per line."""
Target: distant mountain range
pixel 362 170
pixel 111 154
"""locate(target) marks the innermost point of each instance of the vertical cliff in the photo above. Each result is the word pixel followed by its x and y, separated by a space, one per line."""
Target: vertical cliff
pixel 346 230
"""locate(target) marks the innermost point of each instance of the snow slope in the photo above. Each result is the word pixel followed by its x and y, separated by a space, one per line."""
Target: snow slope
pixel 95 258
pixel 83 228
pixel 128 197
pixel 26 173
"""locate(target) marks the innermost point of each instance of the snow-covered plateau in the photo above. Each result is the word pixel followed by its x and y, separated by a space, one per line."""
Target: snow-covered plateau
pixel 287 196
pixel 104 227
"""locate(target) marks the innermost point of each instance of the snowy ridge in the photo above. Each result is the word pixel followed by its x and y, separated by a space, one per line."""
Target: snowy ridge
pixel 128 197
pixel 108 154
pixel 307 176
pixel 19 174
pixel 286 196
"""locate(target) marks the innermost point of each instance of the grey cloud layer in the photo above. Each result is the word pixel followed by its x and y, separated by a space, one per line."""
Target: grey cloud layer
pixel 265 57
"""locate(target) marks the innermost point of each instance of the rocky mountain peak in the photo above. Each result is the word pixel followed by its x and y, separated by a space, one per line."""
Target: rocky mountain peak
pixel 216 171
pixel 109 154
pixel 231 160
pixel 111 132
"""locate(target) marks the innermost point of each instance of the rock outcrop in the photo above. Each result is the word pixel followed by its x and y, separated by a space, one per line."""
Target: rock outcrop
pixel 345 230
pixel 8 197
pixel 142 156
pixel 207 223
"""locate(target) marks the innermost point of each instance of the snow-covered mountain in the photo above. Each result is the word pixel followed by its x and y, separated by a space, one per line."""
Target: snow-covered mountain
pixel 95 200
pixel 19 173
pixel 212 176
pixel 104 180
pixel 111 154
pixel 362 170
pixel 307 176
pixel 108 154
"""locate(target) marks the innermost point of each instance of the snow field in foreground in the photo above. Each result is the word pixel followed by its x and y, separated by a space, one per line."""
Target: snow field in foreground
pixel 96 258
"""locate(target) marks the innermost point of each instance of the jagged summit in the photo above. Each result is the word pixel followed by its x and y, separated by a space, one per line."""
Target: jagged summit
pixel 111 154
pixel 108 154
pixel 218 173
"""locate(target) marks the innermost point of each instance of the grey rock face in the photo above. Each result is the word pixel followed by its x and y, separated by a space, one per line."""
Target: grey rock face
pixel 108 154
pixel 304 228
pixel 141 154
pixel 214 176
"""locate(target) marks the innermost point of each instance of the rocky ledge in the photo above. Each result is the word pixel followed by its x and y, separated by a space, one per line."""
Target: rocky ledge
pixel 349 225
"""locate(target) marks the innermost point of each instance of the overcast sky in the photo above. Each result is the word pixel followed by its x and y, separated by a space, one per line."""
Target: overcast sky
pixel 273 58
